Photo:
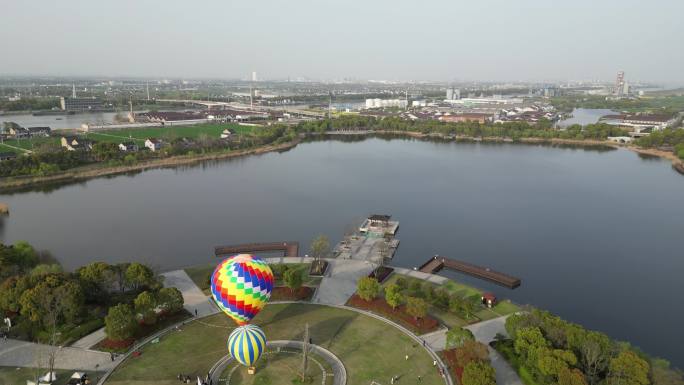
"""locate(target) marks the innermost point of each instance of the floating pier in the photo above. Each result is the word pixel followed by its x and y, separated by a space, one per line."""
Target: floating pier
pixel 289 249
pixel 437 263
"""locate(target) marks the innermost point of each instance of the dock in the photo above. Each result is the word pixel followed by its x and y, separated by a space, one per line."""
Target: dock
pixel 288 248
pixel 437 263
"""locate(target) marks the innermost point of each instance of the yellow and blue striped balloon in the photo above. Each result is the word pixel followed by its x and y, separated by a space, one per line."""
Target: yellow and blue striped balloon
pixel 246 343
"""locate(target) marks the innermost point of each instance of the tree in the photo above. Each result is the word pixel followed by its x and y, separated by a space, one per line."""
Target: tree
pixel 119 271
pixel 468 307
pixel 569 376
pixel 120 322
pixel 627 369
pixel 139 275
pixel 416 307
pixel 478 373
pixel 471 351
pixel 44 269
pixel 394 295
pixel 170 299
pixel 97 278
pixel 145 305
pixel 368 288
pixel 456 337
pixel 293 279
pixel 594 349
pixel 320 248
pixel 552 362
pixel 530 344
pixel 11 291
pixel 662 374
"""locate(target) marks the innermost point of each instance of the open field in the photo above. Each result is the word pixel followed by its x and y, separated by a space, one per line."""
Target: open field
pixel 370 349
pixel 170 132
pixel 277 368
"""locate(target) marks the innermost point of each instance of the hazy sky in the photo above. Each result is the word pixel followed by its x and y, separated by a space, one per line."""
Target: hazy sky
pixel 365 39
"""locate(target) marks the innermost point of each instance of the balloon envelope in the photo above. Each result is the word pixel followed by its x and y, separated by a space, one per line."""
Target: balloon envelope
pixel 246 344
pixel 241 286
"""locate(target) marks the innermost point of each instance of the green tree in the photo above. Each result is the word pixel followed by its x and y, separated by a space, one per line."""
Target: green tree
pixel 120 322
pixel 45 268
pixel 293 279
pixel 320 248
pixel 11 291
pixel 52 301
pixel 478 373
pixel 530 344
pixel 568 376
pixel 139 275
pixel 416 307
pixel 170 300
pixel 456 337
pixel 97 278
pixel 662 374
pixel 627 369
pixel 394 295
pixel 471 351
pixel 368 288
pixel 145 305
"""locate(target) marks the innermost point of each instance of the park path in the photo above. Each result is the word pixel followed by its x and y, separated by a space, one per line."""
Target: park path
pixel 90 340
pixel 340 280
pixel 196 302
pixel 15 353
pixel 485 332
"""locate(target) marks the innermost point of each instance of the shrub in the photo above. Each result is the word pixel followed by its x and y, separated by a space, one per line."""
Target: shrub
pixel 368 288
pixel 401 282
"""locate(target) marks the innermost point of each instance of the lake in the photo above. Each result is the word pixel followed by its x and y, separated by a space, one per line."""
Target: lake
pixel 596 236
pixel 584 116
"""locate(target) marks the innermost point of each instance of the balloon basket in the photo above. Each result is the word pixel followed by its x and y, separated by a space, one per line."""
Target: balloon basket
pixel 251 370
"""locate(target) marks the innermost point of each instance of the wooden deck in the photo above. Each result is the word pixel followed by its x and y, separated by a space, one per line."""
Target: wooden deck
pixel 435 264
pixel 289 249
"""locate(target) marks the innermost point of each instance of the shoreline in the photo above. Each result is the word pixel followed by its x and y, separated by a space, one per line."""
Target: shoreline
pixel 95 171
pixel 92 171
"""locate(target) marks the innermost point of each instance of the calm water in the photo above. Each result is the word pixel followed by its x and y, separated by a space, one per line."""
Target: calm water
pixel 585 116
pixel 595 236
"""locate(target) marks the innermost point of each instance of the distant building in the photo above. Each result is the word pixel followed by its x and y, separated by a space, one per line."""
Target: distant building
pixel 466 117
pixel 419 103
pixel 7 156
pixel 19 132
pixel 39 131
pixel 227 133
pixel 453 93
pixel 254 76
pixel 153 144
pixel 80 104
pixel 128 146
pixel 75 143
pixel 382 103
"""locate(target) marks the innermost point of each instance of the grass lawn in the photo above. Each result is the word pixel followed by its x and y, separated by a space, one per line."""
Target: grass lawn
pixel 278 367
pixel 18 376
pixel 502 307
pixel 32 143
pixel 169 132
pixel 4 148
pixel 200 275
pixel 370 349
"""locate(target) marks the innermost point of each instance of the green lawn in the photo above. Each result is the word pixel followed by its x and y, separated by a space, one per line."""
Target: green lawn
pixel 200 275
pixel 18 376
pixel 4 148
pixel 169 132
pixel 32 143
pixel 276 367
pixel 502 307
pixel 370 349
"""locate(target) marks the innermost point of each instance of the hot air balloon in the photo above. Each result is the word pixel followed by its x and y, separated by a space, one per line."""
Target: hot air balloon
pixel 241 286
pixel 246 343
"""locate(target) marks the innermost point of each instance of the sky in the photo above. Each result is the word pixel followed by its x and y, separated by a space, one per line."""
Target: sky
pixel 443 40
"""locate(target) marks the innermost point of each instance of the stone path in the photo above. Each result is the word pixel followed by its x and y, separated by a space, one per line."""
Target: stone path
pixel 90 340
pixel 340 281
pixel 16 353
pixel 195 299
pixel 485 332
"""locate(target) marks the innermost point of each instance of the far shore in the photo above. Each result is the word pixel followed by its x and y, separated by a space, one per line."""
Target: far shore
pixel 95 171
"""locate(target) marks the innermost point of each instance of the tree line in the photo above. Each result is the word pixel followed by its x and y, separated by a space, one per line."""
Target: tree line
pixel 553 351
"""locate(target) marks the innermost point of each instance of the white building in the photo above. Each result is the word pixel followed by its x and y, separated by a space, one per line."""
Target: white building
pixel 381 103
pixel 128 147
pixel 153 144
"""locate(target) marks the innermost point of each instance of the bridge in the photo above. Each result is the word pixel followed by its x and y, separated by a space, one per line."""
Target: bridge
pixel 289 249
pixel 210 104
pixel 437 263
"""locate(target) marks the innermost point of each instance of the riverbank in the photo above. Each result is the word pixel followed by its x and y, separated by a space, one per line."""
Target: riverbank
pixel 96 171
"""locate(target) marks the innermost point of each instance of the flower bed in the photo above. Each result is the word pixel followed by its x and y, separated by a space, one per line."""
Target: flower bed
pixel 283 293
pixel 399 315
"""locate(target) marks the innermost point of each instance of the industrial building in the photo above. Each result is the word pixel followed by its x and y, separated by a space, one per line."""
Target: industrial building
pixel 81 104
pixel 381 103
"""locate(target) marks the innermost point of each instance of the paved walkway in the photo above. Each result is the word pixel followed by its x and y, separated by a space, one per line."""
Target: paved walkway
pixel 340 281
pixel 16 353
pixel 485 333
pixel 90 340
pixel 195 299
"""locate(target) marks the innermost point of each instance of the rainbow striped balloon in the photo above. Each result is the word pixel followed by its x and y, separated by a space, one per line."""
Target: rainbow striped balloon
pixel 241 286
pixel 246 343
